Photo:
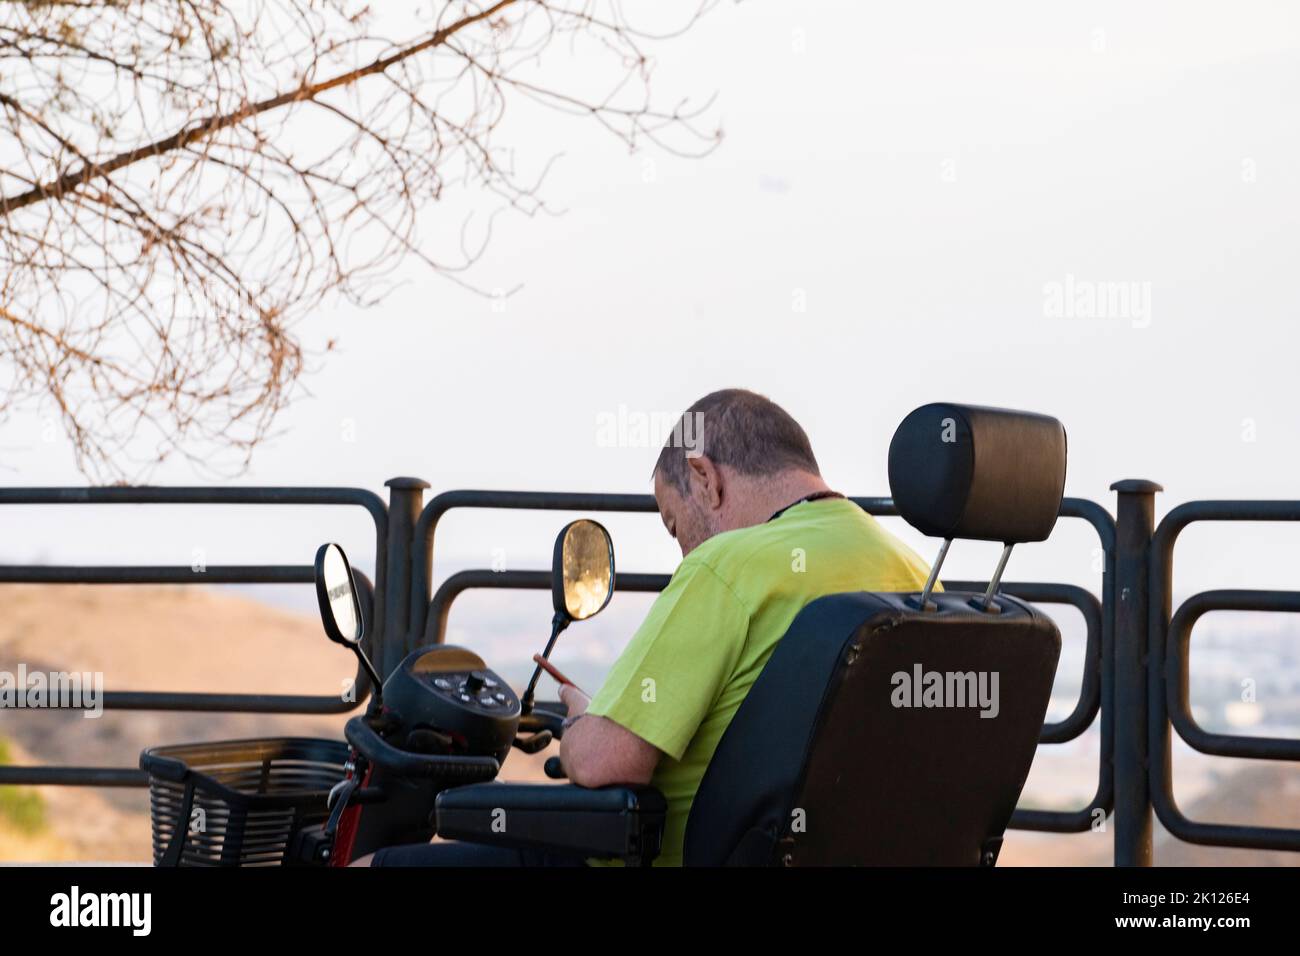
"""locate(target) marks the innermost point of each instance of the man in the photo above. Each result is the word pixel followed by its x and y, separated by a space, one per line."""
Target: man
pixel 762 535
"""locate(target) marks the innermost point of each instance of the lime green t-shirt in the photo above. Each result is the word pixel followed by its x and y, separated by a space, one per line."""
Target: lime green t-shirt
pixel 684 673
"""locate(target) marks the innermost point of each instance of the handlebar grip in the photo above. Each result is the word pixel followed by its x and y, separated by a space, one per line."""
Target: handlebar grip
pixel 423 766
pixel 554 769
pixel 543 717
pixel 534 744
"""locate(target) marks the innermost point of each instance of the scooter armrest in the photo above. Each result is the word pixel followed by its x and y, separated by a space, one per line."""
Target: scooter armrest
pixel 623 823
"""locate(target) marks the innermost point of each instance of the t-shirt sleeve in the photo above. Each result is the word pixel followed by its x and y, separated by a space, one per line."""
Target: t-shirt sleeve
pixel 671 673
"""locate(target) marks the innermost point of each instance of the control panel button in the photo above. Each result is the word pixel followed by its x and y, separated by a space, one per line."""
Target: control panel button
pixel 442 683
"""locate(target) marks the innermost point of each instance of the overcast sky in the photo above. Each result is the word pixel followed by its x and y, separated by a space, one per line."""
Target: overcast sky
pixel 906 196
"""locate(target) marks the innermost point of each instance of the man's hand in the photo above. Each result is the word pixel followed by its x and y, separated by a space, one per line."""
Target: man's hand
pixel 574 699
pixel 596 751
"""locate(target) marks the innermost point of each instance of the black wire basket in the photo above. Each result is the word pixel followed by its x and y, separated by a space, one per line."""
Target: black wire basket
pixel 238 802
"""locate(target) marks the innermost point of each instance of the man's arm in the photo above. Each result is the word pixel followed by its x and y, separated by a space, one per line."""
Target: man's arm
pixel 596 751
pixel 662 686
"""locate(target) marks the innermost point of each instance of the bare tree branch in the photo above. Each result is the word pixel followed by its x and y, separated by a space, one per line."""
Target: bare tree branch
pixel 182 181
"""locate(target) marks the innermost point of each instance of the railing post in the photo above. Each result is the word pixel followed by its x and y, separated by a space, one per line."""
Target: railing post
pixel 405 499
pixel 1134 525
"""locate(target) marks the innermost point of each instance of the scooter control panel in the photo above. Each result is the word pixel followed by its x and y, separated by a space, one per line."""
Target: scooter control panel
pixel 476 688
pixel 451 690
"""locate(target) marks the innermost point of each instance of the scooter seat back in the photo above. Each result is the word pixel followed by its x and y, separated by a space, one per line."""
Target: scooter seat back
pixel 880 735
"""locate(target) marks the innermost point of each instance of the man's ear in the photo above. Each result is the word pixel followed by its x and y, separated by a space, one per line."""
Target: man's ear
pixel 706 481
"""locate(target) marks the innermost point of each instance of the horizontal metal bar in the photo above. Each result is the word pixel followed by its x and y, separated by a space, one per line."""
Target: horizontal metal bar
pixel 183 495
pixel 1059 821
pixel 235 703
pixel 157 574
pixel 73 776
pixel 189 495
pixel 1177 674
pixel 187 701
pixel 1225 510
pixel 875 505
pixel 1221 834
pixel 1082 508
pixel 435 628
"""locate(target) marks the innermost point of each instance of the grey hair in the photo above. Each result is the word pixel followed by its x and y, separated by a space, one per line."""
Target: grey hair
pixel 738 428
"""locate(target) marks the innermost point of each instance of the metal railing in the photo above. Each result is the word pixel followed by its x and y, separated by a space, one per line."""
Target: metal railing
pixel 1135 656
pixel 214 574
pixel 1167 671
pixel 1095 684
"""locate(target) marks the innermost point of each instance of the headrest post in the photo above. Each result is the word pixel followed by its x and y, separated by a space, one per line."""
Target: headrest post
pixel 997 575
pixel 934 573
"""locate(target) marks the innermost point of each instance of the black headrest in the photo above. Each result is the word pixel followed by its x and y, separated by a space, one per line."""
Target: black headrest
pixel 962 471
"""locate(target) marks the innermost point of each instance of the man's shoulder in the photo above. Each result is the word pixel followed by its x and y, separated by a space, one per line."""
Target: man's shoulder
pixel 727 552
pixel 752 555
pixel 735 556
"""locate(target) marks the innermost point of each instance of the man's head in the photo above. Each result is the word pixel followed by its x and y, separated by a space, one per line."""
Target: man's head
pixel 748 459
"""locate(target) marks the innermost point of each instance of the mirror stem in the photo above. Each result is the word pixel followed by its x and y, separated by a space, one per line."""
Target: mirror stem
pixel 378 685
pixel 558 624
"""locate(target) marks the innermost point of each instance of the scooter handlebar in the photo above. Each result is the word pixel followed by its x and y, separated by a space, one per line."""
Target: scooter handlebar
pixel 547 715
pixel 381 753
